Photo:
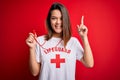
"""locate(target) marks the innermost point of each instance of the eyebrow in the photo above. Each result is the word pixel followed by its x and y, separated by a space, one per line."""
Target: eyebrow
pixel 56 17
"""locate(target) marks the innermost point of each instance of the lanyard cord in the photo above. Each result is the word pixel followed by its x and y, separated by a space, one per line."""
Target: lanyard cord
pixel 44 41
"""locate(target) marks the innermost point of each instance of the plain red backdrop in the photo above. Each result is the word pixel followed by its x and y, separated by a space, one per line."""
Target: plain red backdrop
pixel 19 17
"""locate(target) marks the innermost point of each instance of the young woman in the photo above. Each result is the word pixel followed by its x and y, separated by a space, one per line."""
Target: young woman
pixel 53 56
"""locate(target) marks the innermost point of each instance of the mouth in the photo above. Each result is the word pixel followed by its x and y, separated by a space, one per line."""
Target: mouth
pixel 57 26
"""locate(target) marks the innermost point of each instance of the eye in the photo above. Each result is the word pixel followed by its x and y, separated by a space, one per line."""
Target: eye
pixel 53 18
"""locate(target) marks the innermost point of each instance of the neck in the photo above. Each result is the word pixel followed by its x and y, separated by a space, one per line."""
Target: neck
pixel 57 35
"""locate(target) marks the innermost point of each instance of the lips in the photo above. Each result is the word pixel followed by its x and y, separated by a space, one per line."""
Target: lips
pixel 57 27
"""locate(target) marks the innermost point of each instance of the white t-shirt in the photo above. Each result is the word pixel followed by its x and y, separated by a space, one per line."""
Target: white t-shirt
pixel 57 62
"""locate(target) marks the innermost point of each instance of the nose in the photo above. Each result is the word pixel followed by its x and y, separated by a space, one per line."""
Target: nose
pixel 59 21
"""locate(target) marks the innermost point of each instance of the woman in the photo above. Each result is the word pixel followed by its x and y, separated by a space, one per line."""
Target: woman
pixel 53 56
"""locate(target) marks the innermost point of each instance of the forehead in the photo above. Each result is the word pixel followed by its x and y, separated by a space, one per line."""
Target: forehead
pixel 56 13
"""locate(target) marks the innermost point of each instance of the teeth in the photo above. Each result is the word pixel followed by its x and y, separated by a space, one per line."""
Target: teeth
pixel 58 26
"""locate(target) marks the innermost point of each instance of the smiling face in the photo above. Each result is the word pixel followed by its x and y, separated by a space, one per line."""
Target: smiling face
pixel 56 21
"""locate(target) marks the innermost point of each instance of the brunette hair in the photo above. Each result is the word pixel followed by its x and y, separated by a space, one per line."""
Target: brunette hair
pixel 66 33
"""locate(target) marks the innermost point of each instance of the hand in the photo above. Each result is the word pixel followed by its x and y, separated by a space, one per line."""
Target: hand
pixel 82 29
pixel 30 41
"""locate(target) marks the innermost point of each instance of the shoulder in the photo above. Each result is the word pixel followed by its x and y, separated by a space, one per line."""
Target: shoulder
pixel 74 39
pixel 41 38
pixel 74 42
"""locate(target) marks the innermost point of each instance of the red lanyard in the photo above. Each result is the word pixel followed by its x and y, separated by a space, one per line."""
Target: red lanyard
pixel 41 45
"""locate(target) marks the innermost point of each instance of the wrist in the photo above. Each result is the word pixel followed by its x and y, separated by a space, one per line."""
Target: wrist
pixel 32 49
pixel 85 40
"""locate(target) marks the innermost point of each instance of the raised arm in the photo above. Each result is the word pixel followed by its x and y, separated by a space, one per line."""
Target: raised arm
pixel 87 58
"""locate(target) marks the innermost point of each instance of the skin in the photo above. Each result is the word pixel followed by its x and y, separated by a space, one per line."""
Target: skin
pixel 87 59
pixel 56 23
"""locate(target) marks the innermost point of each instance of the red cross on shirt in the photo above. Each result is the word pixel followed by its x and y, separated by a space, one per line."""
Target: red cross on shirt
pixel 58 60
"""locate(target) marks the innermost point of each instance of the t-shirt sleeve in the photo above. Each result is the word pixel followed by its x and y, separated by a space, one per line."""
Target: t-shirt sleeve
pixel 38 52
pixel 79 50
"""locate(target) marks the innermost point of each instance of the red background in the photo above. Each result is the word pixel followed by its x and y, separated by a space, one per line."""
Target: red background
pixel 19 17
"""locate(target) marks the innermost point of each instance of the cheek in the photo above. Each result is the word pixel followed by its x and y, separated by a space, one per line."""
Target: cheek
pixel 52 23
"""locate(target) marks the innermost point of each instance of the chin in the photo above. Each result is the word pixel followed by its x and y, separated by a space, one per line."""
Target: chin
pixel 58 32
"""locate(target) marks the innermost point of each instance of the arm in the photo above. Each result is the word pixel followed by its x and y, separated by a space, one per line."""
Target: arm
pixel 87 58
pixel 34 66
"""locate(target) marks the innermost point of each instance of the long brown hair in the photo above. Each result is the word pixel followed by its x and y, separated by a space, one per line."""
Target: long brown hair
pixel 66 33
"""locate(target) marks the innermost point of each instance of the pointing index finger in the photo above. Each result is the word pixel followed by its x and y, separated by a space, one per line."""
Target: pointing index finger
pixel 82 20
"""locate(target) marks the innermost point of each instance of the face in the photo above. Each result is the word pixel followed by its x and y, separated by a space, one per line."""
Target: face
pixel 56 21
